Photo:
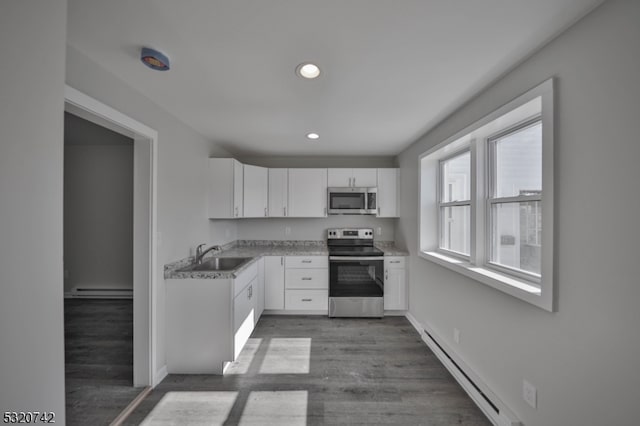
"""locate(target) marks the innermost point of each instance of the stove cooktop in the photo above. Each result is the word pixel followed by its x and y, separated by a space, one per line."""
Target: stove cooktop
pixel 355 251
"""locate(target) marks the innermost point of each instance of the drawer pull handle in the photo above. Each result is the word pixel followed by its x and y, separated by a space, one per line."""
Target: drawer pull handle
pixel 307 300
pixel 394 261
pixel 306 278
pixel 306 261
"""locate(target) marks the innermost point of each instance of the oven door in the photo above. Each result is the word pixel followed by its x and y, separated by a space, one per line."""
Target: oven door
pixel 351 276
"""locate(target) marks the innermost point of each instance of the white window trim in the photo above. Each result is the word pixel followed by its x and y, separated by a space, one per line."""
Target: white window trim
pixel 540 294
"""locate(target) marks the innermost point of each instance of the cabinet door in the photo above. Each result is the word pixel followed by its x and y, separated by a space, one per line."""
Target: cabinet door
pixel 278 192
pixel 388 192
pixel 395 296
pixel 339 177
pixel 221 191
pixel 260 290
pixel 274 282
pixel 307 192
pixel 256 188
pixel 238 188
pixel 365 178
pixel 244 308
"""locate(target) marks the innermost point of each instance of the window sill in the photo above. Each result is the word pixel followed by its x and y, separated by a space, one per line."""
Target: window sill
pixel 520 289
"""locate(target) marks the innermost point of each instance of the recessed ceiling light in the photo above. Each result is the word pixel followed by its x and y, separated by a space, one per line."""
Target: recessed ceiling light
pixel 313 136
pixel 308 70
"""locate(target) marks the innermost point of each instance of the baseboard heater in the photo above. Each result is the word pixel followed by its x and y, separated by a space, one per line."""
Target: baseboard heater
pixel 488 402
pixel 101 293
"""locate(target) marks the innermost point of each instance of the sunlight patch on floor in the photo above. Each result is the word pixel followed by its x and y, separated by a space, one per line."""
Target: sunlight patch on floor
pixel 192 408
pixel 242 364
pixel 287 356
pixel 282 408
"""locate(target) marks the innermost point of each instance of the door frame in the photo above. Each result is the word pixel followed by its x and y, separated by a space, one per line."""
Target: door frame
pixel 145 164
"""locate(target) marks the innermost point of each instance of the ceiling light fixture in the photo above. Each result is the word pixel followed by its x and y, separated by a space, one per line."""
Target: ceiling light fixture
pixel 313 136
pixel 308 70
pixel 154 59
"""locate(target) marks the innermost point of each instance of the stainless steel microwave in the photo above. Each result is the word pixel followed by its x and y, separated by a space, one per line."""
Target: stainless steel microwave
pixel 351 200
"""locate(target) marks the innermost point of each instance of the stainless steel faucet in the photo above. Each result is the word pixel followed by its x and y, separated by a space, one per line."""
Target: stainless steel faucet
pixel 200 253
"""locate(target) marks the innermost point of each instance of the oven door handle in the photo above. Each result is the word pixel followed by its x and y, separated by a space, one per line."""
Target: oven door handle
pixel 347 258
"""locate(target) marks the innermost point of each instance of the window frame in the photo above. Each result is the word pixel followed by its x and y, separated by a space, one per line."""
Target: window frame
pixel 441 204
pixel 539 101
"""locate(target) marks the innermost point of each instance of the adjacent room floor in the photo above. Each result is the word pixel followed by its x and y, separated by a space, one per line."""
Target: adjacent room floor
pixel 98 359
pixel 311 370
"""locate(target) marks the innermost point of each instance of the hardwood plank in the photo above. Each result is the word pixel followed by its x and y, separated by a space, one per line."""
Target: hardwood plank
pixel 360 371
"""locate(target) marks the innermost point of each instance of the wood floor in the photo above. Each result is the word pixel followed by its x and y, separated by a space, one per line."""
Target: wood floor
pixel 98 359
pixel 317 371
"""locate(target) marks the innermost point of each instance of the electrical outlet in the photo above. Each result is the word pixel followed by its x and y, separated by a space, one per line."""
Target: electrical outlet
pixel 287 230
pixel 529 393
pixel 456 335
pixel 379 230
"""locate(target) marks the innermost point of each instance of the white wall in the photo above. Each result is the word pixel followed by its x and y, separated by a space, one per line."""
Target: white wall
pixel 583 359
pixel 32 42
pixel 182 169
pixel 98 207
pixel 321 161
pixel 311 229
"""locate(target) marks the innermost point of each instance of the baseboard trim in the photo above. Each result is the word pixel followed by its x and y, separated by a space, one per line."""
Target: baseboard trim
pixel 395 313
pixel 160 375
pixel 124 414
pixel 287 312
pixel 485 399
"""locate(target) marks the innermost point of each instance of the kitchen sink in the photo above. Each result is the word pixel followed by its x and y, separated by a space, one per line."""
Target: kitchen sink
pixel 217 264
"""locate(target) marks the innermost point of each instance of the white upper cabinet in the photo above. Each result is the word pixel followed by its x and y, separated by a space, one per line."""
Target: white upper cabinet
pixel 225 188
pixel 365 178
pixel 307 193
pixel 352 177
pixel 388 190
pixel 278 192
pixel 256 188
pixel 339 177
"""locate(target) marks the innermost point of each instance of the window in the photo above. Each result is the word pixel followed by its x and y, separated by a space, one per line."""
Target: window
pixel 455 204
pixel 515 193
pixel 486 199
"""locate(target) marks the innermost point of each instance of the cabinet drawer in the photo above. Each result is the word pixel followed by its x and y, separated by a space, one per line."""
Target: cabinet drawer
pixel 394 262
pixel 312 300
pixel 307 278
pixel 307 262
pixel 245 278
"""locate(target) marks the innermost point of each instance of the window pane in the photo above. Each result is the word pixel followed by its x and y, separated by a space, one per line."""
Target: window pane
pixel 456 178
pixel 518 162
pixel 456 229
pixel 516 235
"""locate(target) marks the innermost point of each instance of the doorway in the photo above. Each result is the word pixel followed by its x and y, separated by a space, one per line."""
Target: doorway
pixel 144 249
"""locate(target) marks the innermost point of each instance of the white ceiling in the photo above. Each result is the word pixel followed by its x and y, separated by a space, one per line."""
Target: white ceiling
pixel 391 69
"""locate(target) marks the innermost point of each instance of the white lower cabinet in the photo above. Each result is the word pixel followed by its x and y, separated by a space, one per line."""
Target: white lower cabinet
pixel 307 283
pixel 274 282
pixel 303 300
pixel 209 321
pixel 260 289
pixel 244 316
pixel 395 283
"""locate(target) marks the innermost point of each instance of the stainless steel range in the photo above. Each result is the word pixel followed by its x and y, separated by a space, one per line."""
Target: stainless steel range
pixel 356 280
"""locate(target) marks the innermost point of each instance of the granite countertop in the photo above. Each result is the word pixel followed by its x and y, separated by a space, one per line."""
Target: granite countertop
pixel 390 249
pixel 255 249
